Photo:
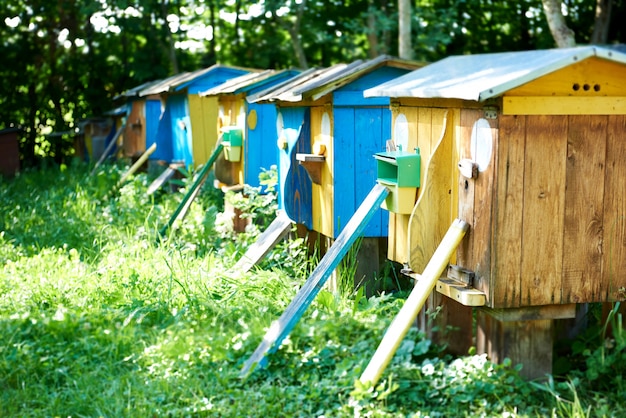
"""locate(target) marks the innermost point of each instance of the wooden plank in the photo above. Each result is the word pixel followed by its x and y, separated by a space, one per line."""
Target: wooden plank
pixel 601 77
pixel 167 174
pixel 372 128
pixel 505 286
pixel 425 140
pixel 344 144
pixel 544 205
pixel 584 211
pixel 323 193
pixel 529 343
pixel 430 217
pixel 531 313
pixel 281 328
pixel 460 293
pixel 614 246
pixel 465 253
pixel 417 298
pixel 108 149
pixel 192 192
pixel 482 227
pixel 274 233
pixel 563 105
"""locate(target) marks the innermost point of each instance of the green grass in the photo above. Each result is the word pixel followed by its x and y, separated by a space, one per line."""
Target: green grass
pixel 100 318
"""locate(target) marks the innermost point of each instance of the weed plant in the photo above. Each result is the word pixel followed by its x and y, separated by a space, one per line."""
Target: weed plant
pixel 100 319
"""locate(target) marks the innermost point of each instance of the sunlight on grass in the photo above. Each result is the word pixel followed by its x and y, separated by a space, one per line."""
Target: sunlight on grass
pixel 101 318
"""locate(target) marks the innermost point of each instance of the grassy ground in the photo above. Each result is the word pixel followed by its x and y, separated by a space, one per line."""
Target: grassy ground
pixel 99 317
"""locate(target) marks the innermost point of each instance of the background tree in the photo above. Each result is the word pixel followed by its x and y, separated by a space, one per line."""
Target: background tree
pixel 65 60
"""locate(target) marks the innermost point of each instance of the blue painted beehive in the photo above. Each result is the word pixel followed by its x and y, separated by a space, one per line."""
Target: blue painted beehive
pixel 180 133
pixel 339 131
pixel 247 156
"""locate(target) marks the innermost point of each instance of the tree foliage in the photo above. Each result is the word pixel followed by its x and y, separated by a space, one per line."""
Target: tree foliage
pixel 65 60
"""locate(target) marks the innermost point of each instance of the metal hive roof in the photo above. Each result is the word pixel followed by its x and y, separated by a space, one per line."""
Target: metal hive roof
pixel 245 82
pixel 483 76
pixel 291 91
pixel 179 81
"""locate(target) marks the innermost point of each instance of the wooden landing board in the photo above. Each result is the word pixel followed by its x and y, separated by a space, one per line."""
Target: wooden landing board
pixel 160 181
pixel 191 193
pixel 431 214
pixel 281 328
pixel 277 230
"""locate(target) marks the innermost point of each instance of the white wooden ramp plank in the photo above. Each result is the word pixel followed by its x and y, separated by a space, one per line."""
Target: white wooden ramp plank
pixel 277 230
pixel 280 329
pixel 160 181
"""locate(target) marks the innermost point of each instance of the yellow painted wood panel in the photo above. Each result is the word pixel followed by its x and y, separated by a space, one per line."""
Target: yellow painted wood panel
pixel 584 211
pixel 506 281
pixel 430 218
pixel 323 194
pixel 203 112
pixel 588 78
pixel 544 205
pixel 560 105
pixel 424 136
pixel 614 245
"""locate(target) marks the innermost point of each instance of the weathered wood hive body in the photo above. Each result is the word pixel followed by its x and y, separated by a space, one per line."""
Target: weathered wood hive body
pixel 546 131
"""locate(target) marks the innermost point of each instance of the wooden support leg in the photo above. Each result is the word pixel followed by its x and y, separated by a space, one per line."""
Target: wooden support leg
pixel 371 257
pixel 524 335
pixel 452 326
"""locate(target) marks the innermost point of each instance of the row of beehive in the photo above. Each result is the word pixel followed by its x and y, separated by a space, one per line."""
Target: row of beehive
pixel 539 136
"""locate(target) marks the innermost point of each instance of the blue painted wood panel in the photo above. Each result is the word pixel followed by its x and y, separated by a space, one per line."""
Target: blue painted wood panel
pixel 352 93
pixel 180 129
pixel 361 133
pixel 163 138
pixel 295 196
pixel 260 150
pixel 153 114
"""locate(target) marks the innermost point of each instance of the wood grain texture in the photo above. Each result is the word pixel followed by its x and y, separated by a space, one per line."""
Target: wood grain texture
pixel 430 218
pixel 506 279
pixel 280 329
pixel 323 194
pixel 607 75
pixel 614 262
pixel 544 205
pixel 274 233
pixel 135 129
pixel 524 342
pixel 584 211
pixel 483 216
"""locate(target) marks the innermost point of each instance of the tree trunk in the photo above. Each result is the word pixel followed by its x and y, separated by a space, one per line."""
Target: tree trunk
pixel 372 36
pixel 600 33
pixel 170 39
pixel 563 35
pixel 404 29
pixel 294 31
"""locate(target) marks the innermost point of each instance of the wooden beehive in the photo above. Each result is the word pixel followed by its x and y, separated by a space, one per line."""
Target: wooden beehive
pixel 546 132
pixel 257 121
pixel 9 151
pixel 535 142
pixel 345 130
pixel 142 118
pixel 187 127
